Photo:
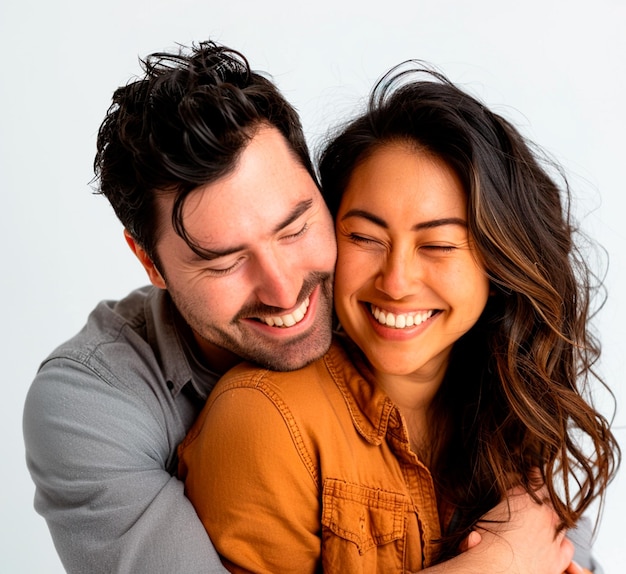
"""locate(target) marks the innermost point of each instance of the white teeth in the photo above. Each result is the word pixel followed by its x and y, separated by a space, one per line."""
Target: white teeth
pixel 290 319
pixel 298 314
pixel 402 320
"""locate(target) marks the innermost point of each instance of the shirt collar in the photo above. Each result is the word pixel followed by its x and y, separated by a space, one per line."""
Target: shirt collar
pixel 169 334
pixel 372 411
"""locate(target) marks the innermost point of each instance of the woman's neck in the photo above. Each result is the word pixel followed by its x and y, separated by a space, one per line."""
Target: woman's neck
pixel 413 394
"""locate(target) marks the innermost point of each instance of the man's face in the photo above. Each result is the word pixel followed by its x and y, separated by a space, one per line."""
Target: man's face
pixel 263 292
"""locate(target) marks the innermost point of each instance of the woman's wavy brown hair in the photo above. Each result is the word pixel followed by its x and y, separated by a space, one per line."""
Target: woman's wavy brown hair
pixel 520 379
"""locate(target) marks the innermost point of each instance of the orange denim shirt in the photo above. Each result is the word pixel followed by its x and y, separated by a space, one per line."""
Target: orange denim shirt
pixel 307 471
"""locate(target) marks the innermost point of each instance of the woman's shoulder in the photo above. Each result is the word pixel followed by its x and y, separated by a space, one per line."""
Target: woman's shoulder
pixel 304 398
pixel 253 402
pixel 250 376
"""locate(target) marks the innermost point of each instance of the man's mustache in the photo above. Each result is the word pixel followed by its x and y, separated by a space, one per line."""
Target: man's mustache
pixel 310 283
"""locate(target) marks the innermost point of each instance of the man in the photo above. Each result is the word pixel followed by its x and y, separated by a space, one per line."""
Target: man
pixel 206 166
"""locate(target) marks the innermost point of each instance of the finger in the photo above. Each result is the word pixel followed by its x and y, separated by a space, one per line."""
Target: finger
pixel 471 540
pixel 567 553
pixel 574 568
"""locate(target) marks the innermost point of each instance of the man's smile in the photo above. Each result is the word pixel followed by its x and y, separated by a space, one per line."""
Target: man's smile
pixel 288 320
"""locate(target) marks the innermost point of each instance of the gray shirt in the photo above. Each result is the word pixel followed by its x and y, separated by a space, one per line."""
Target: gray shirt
pixel 102 422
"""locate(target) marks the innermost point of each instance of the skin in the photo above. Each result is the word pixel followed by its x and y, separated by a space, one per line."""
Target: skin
pixel 522 542
pixel 270 254
pixel 404 250
pixel 405 259
pixel 271 248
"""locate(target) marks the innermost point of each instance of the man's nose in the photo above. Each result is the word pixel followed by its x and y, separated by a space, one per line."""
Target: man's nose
pixel 279 281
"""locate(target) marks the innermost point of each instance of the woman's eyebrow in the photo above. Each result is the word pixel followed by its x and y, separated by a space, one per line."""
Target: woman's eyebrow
pixel 362 213
pixel 365 215
pixel 440 222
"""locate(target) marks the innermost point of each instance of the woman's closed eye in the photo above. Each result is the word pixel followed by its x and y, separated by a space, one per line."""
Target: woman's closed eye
pixel 434 248
pixel 362 239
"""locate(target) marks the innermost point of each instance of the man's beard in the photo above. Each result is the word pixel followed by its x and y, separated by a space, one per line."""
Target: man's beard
pixel 278 355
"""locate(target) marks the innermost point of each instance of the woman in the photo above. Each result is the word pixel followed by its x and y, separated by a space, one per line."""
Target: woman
pixel 460 375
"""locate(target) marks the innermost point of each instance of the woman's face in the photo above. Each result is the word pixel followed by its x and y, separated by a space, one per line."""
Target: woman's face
pixel 408 280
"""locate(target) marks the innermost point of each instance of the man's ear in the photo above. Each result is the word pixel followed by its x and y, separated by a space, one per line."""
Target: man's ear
pixel 153 273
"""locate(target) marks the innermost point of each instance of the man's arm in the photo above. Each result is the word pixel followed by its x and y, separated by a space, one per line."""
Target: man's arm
pixel 97 454
pixel 523 541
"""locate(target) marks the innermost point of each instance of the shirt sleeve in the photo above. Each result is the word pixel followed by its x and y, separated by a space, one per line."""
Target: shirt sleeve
pixel 97 454
pixel 246 473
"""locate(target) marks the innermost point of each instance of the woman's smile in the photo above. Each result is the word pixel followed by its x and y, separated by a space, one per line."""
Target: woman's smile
pixel 408 282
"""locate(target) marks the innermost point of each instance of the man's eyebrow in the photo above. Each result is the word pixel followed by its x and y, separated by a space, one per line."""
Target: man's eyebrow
pixel 204 254
pixel 417 227
pixel 296 212
pixel 209 254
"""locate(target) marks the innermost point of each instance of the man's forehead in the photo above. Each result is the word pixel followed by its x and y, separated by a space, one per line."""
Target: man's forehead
pixel 219 227
pixel 268 189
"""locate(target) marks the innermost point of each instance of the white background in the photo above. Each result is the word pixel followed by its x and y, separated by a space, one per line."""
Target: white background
pixel 556 68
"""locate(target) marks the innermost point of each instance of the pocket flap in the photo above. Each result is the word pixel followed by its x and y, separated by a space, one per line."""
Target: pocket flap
pixel 366 516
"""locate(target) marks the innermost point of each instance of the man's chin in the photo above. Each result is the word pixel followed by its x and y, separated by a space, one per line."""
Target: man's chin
pixel 291 356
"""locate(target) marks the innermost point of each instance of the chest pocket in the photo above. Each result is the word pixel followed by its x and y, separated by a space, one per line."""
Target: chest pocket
pixel 363 529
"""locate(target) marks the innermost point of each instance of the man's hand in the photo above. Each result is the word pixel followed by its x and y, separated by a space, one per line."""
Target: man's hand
pixel 518 536
pixel 523 533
